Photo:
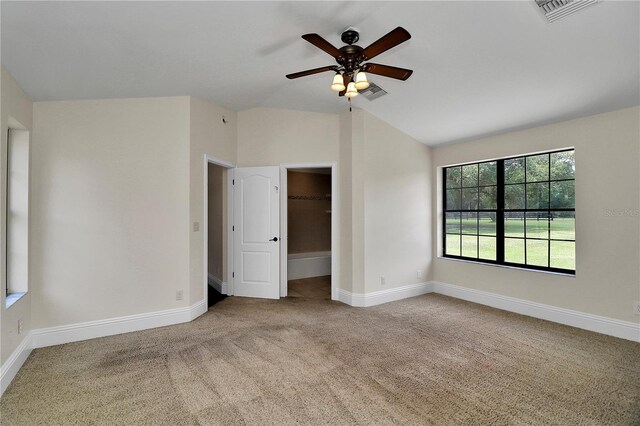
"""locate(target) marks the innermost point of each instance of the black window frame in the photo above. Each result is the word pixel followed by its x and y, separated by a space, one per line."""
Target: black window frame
pixel 500 214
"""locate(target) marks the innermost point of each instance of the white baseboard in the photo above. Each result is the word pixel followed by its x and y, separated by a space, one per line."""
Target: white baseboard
pixel 609 326
pixel 600 324
pixel 15 361
pixel 307 265
pixel 90 330
pixel 197 309
pixel 384 296
pixel 220 286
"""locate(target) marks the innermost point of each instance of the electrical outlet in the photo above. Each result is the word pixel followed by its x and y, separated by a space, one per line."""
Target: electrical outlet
pixel 179 295
pixel 383 280
pixel 20 325
pixel 418 274
pixel 196 226
pixel 636 308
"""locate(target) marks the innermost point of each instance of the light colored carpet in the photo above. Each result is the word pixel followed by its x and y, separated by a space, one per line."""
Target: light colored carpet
pixel 426 360
pixel 311 288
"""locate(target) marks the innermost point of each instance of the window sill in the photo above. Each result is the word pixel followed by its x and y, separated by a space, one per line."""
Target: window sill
pixel 13 298
pixel 508 267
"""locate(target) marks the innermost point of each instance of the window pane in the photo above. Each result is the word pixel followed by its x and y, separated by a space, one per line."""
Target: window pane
pixel 453 199
pixel 563 226
pixel 487 223
pixel 537 225
pixel 563 195
pixel 514 170
pixel 16 211
pixel 514 197
pixel 470 175
pixel 488 173
pixel 563 255
pixel 563 165
pixel 538 195
pixel 488 198
pixel 454 177
pixel 453 223
pixel 469 223
pixel 470 246
pixel 538 168
pixel 487 248
pixel 470 198
pixel 537 252
pixel 513 250
pixel 452 245
pixel 514 224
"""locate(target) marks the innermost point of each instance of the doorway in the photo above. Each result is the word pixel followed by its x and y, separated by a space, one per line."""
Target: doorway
pixel 217 242
pixel 308 200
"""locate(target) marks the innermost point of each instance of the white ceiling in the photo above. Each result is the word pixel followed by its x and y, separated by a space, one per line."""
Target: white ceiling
pixel 480 67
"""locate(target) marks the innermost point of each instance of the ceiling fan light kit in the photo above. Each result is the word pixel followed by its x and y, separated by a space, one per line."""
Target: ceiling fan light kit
pixel 351 71
pixel 361 81
pixel 351 92
pixel 337 85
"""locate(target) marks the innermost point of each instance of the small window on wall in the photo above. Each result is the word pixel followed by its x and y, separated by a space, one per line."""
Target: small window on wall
pixel 17 215
pixel 516 211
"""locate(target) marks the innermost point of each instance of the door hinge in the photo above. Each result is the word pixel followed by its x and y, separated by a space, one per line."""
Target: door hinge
pixel 233 275
pixel 233 181
pixel 233 228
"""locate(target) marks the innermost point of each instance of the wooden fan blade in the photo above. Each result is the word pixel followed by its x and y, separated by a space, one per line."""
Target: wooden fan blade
pixel 310 72
pixel 386 42
pixel 323 44
pixel 345 81
pixel 387 71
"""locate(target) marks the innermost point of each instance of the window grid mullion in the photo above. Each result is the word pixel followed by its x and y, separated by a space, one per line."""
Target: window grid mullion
pixel 500 211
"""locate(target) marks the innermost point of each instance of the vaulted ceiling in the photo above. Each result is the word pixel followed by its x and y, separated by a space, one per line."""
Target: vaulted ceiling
pixel 480 68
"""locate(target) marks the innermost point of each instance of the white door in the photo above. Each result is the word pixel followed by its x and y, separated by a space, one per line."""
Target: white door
pixel 256 260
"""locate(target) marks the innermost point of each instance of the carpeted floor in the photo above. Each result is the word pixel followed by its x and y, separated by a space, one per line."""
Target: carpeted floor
pixel 310 288
pixel 425 360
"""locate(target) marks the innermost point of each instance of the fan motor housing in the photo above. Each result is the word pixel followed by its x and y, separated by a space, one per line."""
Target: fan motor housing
pixel 351 57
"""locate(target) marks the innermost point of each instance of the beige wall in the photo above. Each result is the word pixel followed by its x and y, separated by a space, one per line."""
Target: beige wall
pixel 110 208
pixel 270 137
pixel 386 216
pixel 345 201
pixel 397 210
pixel 207 135
pixel 309 220
pixel 352 141
pixel 607 277
pixel 216 225
pixel 16 112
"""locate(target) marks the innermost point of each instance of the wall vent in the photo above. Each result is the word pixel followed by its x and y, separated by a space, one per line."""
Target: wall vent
pixel 373 91
pixel 556 9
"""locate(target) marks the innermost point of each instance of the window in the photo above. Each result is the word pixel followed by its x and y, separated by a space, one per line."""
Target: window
pixel 515 211
pixel 17 215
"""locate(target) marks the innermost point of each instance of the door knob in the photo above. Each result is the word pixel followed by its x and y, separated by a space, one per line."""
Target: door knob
pixel 274 239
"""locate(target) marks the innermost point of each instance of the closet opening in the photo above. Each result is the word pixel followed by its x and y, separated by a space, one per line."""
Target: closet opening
pixel 307 257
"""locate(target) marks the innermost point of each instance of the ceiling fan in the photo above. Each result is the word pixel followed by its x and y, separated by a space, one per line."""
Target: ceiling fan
pixel 350 73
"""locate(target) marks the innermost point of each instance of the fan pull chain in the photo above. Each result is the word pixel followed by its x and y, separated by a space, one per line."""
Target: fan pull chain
pixel 350 105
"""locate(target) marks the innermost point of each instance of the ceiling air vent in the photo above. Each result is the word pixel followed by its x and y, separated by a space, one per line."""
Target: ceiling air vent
pixel 373 91
pixel 556 9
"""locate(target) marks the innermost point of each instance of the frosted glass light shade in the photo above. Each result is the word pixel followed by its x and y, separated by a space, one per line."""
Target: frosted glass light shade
pixel 361 81
pixel 351 90
pixel 338 84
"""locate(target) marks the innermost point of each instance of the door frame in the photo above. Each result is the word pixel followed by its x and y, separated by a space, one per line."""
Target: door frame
pixel 229 166
pixel 284 249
